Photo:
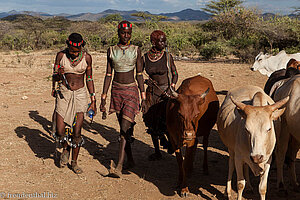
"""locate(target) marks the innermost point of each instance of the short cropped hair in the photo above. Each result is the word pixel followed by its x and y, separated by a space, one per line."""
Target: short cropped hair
pixel 155 35
pixel 75 38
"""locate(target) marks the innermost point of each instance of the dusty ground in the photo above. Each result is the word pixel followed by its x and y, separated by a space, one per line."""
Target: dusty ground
pixel 28 164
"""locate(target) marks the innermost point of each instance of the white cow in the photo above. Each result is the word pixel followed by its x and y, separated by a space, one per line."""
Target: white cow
pixel 290 130
pixel 267 64
pixel 245 125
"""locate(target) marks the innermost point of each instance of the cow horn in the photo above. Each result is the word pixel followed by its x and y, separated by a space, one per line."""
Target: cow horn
pixel 240 105
pixel 174 94
pixel 280 103
pixel 205 93
pixel 260 53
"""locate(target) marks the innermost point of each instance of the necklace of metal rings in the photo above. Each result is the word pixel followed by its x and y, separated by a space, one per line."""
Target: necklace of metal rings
pixel 155 55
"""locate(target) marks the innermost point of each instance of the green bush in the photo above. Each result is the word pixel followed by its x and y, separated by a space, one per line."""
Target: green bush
pixel 244 48
pixel 212 49
pixel 239 31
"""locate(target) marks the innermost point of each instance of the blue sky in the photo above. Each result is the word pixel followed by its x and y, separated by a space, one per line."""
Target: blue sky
pixel 153 6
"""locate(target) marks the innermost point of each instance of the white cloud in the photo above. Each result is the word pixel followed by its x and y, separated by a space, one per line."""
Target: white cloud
pixel 202 2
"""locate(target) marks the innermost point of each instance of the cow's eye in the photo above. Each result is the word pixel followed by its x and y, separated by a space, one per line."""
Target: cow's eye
pixel 269 130
pixel 259 60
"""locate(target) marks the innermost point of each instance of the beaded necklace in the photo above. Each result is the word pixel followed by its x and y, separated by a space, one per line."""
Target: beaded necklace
pixel 154 54
pixel 73 61
pixel 124 47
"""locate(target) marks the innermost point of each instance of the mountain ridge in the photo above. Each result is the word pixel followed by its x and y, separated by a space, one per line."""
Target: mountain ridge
pixel 183 15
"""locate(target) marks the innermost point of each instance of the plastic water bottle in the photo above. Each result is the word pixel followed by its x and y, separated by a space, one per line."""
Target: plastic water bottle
pixel 90 113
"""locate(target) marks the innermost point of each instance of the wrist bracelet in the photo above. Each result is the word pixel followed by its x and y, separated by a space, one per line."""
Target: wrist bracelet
pixel 89 78
pixel 93 98
pixel 173 85
pixel 92 94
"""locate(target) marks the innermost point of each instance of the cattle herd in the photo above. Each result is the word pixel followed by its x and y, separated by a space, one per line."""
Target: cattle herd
pixel 253 124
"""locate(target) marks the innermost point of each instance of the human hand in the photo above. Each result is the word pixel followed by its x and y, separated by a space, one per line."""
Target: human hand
pixel 53 93
pixel 166 93
pixel 150 83
pixel 93 107
pixel 143 106
pixel 102 105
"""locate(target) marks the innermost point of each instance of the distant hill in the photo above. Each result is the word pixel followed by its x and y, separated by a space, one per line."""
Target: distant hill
pixel 184 15
pixel 94 17
pixel 21 17
pixel 187 15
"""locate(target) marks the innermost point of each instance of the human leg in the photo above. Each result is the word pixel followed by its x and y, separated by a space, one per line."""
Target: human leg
pixel 60 134
pixel 77 142
pixel 124 146
pixel 156 155
pixel 130 162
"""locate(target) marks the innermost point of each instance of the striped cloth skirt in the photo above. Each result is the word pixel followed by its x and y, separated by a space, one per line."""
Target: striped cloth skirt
pixel 125 100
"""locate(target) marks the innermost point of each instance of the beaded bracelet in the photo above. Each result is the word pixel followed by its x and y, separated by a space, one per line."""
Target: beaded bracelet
pixel 108 74
pixel 89 78
pixel 92 94
pixel 56 67
pixel 173 85
pixel 139 73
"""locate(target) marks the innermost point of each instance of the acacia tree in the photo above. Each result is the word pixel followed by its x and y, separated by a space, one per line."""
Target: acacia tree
pixel 150 19
pixel 111 18
pixel 219 6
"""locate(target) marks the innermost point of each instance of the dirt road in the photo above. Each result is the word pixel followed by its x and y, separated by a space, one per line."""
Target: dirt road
pixel 28 165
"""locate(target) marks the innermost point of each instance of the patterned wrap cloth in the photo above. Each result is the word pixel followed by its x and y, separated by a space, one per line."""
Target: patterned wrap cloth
pixel 155 113
pixel 125 100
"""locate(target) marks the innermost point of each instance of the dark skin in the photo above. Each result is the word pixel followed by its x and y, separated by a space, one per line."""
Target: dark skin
pixel 161 79
pixel 76 81
pixel 123 78
pixel 159 45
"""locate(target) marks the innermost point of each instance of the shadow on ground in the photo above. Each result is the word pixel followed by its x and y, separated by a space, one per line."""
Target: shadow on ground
pixel 163 174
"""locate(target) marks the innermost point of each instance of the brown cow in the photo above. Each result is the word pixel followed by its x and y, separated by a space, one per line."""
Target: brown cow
pixel 192 113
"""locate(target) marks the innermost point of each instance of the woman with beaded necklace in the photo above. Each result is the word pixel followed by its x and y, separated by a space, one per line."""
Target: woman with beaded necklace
pixel 159 66
pixel 123 59
pixel 71 65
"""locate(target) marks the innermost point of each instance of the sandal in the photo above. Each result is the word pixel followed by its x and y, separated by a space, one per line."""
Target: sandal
pixel 76 169
pixel 113 171
pixel 64 158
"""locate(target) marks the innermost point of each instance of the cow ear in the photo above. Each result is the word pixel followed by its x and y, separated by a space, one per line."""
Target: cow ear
pixel 239 107
pixel 277 113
